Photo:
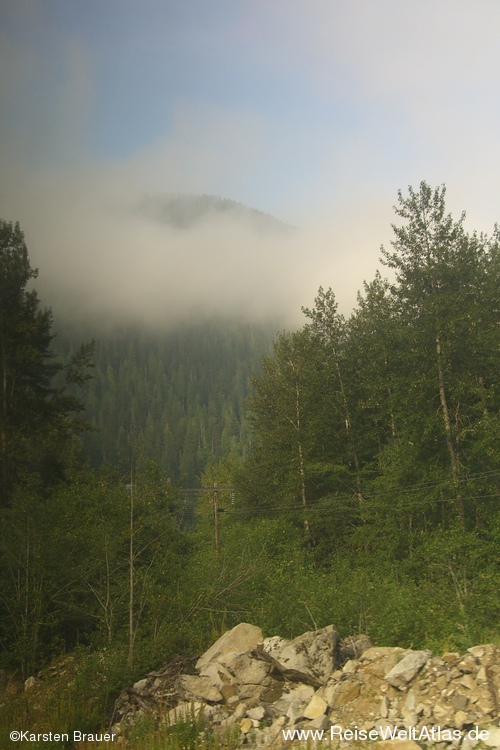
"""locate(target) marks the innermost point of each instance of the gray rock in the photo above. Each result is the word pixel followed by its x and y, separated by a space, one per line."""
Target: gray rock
pixel 404 672
pixel 219 675
pixel 320 722
pixel 196 687
pixel 240 689
pixel 257 713
pixel 315 708
pixel 379 660
pixel 242 638
pixel 280 671
pixel 247 670
pixel 315 653
pixel 274 644
pixel 300 695
pixel 339 694
pixel 459 701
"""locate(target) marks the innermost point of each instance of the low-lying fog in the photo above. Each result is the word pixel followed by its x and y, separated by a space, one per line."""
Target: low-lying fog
pixel 105 249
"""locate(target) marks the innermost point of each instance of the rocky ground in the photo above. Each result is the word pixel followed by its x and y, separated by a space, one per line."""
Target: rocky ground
pixel 272 692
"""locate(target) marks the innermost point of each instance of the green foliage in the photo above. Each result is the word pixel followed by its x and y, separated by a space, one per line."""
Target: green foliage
pixel 81 585
pixel 194 733
pixel 191 734
pixel 38 416
pixel 54 704
pixel 180 392
pixel 398 410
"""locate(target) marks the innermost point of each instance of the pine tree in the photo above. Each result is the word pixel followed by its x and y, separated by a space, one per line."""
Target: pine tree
pixel 37 415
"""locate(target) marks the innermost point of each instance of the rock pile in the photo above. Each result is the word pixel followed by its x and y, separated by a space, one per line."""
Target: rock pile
pixel 256 688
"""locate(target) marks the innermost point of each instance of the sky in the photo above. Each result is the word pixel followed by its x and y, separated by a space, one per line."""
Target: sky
pixel 314 111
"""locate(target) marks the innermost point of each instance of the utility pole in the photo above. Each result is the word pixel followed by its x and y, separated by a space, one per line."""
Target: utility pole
pixel 216 519
pixel 215 491
pixel 131 634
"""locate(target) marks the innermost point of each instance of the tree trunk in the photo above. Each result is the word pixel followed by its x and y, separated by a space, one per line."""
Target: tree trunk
pixel 454 463
pixel 302 470
pixel 348 426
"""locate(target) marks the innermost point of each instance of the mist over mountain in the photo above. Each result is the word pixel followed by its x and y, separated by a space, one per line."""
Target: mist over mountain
pixel 176 385
pixel 182 211
pixel 113 244
pixel 183 295
pixel 163 260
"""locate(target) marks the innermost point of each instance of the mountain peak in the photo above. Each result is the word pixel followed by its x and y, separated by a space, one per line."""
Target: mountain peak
pixel 184 211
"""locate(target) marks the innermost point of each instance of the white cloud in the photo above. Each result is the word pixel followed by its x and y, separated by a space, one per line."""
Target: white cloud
pixel 419 84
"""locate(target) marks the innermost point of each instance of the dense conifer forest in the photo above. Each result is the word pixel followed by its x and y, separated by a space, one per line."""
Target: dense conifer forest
pixel 181 394
pixel 365 467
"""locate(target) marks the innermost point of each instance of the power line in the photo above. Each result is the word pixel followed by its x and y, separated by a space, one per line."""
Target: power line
pixel 374 500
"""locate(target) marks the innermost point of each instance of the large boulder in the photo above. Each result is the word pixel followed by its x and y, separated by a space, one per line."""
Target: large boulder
pixel 193 687
pixel 242 638
pixel 314 653
pixel 218 674
pixel 250 674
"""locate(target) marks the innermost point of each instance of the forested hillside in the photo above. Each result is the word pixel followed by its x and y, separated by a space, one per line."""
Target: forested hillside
pixel 368 495
pixel 178 394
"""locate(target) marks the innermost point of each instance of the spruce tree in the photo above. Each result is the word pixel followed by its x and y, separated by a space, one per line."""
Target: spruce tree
pixel 37 415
